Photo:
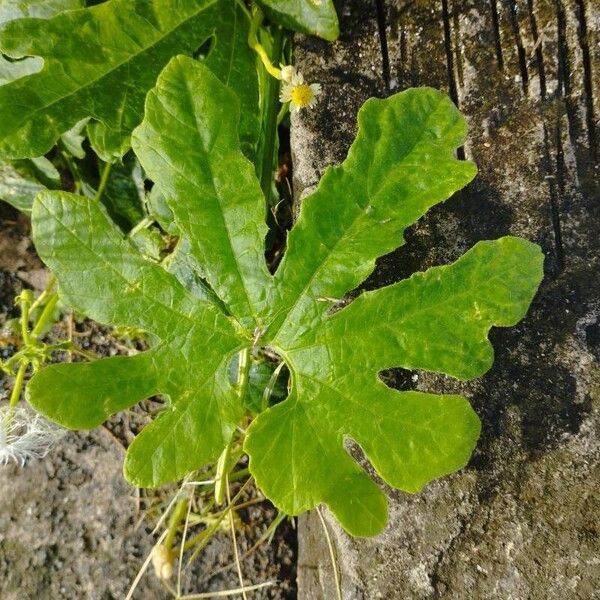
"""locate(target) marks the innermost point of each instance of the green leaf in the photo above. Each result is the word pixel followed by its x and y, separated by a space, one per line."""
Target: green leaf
pixel 188 145
pixel 102 275
pixel 149 242
pixel 74 138
pixel 21 180
pixel 233 61
pixel 438 321
pixel 401 164
pixel 18 9
pixel 39 9
pixel 259 377
pixel 121 46
pixel 190 274
pixel 158 209
pixel 315 17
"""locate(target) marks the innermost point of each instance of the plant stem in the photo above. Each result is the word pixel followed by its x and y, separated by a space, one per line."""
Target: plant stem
pixel 243 373
pixel 47 290
pixel 221 479
pixel 263 538
pixel 243 6
pixel 236 553
pixel 103 181
pixel 26 300
pixel 18 385
pixel 270 387
pixel 202 538
pixel 255 23
pixel 183 538
pixel 143 224
pixel 239 474
pixel 46 315
pixel 72 168
pixel 270 118
pixel 176 518
pixel 334 565
pixel 143 568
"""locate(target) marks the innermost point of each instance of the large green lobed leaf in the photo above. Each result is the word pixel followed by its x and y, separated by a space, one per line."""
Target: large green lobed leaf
pixel 188 145
pixel 401 163
pixel 100 62
pixel 102 275
pixel 18 9
pixel 315 17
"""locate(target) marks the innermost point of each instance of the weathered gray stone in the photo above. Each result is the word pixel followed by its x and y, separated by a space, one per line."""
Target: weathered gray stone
pixel 522 520
pixel 67 525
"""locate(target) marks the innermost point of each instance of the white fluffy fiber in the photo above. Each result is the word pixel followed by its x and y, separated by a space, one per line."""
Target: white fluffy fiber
pixel 25 434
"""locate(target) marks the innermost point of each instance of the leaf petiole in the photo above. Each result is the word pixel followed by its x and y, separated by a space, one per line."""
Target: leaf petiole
pixel 46 316
pixel 268 392
pixel 255 23
pixel 25 298
pixel 103 181
pixel 176 517
pixel 18 385
pixel 47 291
pixel 243 373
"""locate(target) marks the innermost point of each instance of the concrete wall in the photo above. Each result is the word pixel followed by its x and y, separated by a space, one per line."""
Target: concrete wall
pixel 522 521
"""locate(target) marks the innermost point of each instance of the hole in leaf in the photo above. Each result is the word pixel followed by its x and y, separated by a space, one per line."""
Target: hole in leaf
pixel 205 48
pixel 399 379
pixel 262 375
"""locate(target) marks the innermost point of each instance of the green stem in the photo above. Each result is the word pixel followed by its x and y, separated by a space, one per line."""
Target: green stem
pixel 143 224
pixel 72 167
pixel 26 300
pixel 201 539
pixel 243 373
pixel 239 474
pixel 103 181
pixel 46 316
pixel 241 4
pixel 285 109
pixel 264 537
pixel 16 391
pixel 221 475
pixel 47 291
pixel 270 118
pixel 270 387
pixel 13 360
pixel 176 518
pixel 253 42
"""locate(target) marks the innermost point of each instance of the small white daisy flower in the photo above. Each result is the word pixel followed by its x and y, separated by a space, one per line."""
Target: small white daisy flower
pixel 25 435
pixel 298 93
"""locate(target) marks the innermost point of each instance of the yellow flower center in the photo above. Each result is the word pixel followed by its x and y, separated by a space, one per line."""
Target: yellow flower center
pixel 302 95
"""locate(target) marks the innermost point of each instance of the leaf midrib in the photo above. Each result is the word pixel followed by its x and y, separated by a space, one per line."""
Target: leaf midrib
pixel 228 158
pixel 489 322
